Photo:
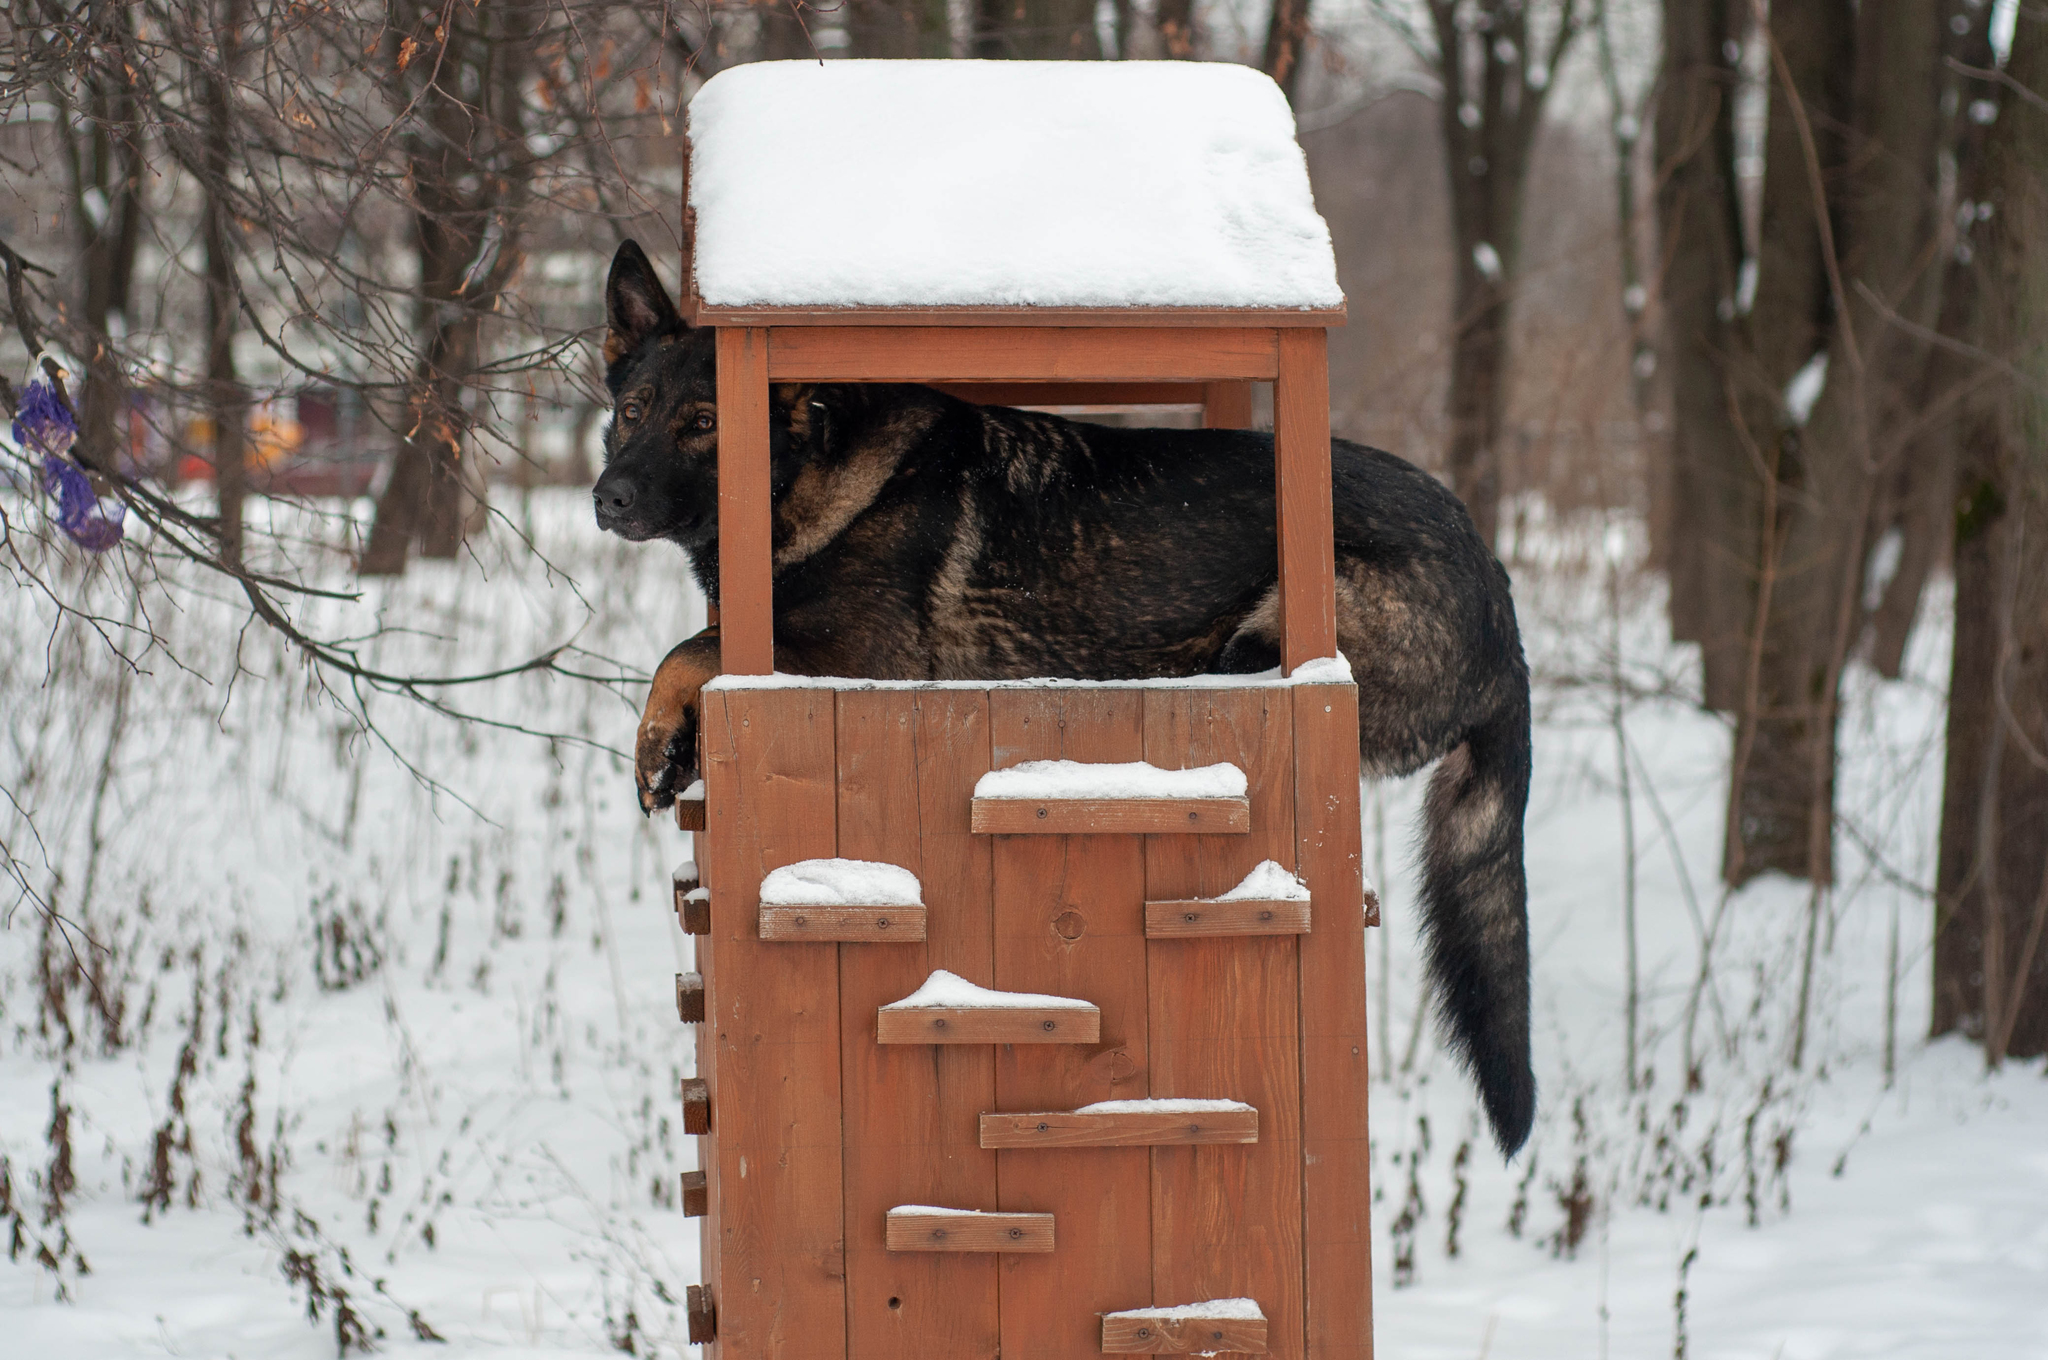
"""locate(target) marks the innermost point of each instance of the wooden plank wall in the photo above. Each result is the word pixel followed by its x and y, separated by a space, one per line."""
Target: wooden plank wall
pixel 770 1044
pixel 1277 1021
pixel 907 765
pixel 1070 921
pixel 1227 1221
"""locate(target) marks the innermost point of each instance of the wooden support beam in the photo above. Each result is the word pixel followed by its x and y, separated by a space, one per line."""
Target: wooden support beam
pixel 1129 1128
pixel 1153 1334
pixel 1227 406
pixel 1045 354
pixel 696 1106
pixel 989 1025
pixel 1111 816
pixel 1098 395
pixel 745 592
pixel 1301 457
pixel 853 925
pixel 1208 916
pixel 909 1230
pixel 690 998
pixel 696 1194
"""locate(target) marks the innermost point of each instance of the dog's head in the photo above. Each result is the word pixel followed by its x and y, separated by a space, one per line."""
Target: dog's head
pixel 661 450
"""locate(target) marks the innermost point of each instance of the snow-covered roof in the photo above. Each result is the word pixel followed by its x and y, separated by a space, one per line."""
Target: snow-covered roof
pixel 1002 183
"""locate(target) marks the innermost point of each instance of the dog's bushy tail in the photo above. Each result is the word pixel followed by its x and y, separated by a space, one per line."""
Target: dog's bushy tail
pixel 1476 911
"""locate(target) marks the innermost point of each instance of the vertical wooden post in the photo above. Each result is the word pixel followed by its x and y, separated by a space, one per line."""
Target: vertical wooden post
pixel 1227 405
pixel 1336 1160
pixel 1301 456
pixel 746 617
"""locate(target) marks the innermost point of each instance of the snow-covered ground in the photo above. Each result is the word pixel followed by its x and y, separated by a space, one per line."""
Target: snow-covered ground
pixel 429 1062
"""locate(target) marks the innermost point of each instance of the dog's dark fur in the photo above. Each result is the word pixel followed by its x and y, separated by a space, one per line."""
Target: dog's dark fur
pixel 920 537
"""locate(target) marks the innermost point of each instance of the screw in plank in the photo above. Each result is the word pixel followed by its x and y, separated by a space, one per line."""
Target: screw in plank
pixel 1043 1126
pixel 881 923
pixel 1191 917
pixel 1016 1233
pixel 1050 1026
pixel 1041 814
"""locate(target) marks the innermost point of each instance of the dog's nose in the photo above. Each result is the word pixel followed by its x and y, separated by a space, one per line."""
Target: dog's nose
pixel 614 496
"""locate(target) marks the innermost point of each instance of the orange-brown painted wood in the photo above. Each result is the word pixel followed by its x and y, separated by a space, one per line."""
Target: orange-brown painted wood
pixel 1068 922
pixel 989 1025
pixel 1112 394
pixel 1111 816
pixel 772 1031
pixel 1205 916
pixel 907 762
pixel 1225 1024
pixel 1153 1334
pixel 1227 406
pixel 937 354
pixel 977 1232
pixel 1123 1128
pixel 745 591
pixel 1301 453
pixel 1336 1160
pixel 853 925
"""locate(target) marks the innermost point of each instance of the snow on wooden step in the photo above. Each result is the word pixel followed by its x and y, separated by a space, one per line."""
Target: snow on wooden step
pixel 1269 901
pixel 1237 1326
pixel 948 1009
pixel 857 900
pixel 1162 1122
pixel 1078 798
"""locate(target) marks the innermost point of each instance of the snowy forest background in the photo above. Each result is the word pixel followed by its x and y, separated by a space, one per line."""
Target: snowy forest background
pixel 334 984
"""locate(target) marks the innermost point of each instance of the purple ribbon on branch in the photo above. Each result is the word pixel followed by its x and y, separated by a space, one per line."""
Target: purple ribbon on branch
pixel 45 424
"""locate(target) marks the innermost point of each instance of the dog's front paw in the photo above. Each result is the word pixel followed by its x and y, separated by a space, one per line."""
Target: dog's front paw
pixel 665 762
pixel 665 752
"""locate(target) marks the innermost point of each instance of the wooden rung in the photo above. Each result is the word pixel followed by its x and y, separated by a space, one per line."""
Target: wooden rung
pixel 989 1025
pixel 969 1232
pixel 857 925
pixel 696 1106
pixel 1244 916
pixel 690 814
pixel 690 998
pixel 1151 1334
pixel 1110 816
pixel 693 909
pixel 1123 1128
pixel 703 1315
pixel 696 1195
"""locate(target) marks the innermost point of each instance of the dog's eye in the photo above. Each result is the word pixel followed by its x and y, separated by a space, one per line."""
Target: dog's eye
pixel 705 421
pixel 629 411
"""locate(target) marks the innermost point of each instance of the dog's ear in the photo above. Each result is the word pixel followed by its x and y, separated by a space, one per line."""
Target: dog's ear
pixel 635 303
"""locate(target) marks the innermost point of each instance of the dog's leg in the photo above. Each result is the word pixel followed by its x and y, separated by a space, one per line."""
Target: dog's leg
pixel 665 754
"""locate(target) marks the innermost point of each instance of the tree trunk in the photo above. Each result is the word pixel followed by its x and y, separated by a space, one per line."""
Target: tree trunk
pixel 1874 135
pixel 227 403
pixel 106 164
pixel 1990 957
pixel 1287 43
pixel 1489 114
pixel 898 28
pixel 1713 540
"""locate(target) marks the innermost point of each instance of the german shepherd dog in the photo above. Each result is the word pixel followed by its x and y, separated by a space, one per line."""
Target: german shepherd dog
pixel 917 536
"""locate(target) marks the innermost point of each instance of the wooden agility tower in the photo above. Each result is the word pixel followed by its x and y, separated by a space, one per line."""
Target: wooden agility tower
pixel 814 1122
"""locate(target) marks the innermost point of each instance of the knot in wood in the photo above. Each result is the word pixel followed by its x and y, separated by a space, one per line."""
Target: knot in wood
pixel 1069 925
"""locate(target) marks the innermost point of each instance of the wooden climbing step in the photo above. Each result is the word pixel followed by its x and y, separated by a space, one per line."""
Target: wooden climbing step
pixel 1269 901
pixel 948 1009
pixel 1125 1123
pixel 1231 1326
pixel 854 901
pixel 1081 798
pixel 927 1227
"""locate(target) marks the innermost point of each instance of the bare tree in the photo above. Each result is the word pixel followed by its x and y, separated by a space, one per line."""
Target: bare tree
pixel 1990 955
pixel 1495 61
